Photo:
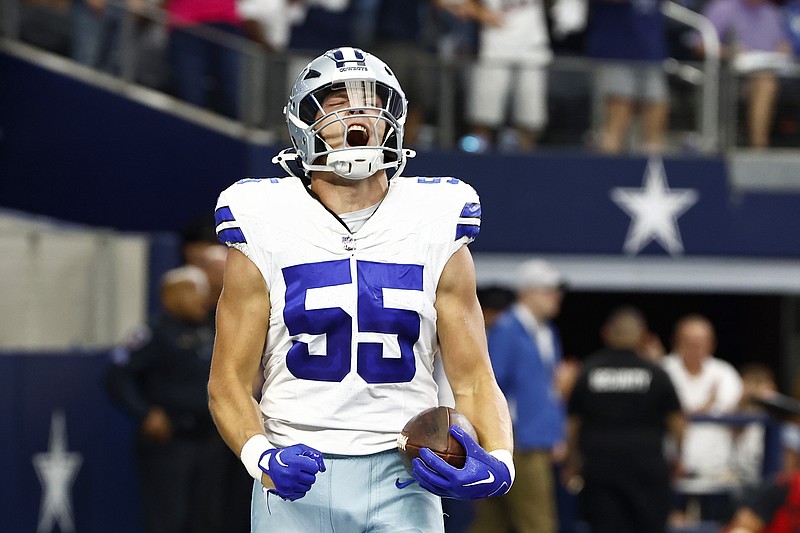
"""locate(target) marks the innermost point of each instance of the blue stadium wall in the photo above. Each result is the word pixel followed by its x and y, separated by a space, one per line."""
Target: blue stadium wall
pixel 86 155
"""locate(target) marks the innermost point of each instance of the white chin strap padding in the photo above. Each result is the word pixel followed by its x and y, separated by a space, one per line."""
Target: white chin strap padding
pixel 356 164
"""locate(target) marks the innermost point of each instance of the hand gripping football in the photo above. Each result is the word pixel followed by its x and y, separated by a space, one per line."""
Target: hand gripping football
pixel 431 429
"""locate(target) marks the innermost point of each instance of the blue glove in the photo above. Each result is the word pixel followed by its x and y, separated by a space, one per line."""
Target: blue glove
pixel 292 469
pixel 483 474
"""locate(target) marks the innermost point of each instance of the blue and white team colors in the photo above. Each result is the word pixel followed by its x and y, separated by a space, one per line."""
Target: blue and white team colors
pixel 352 314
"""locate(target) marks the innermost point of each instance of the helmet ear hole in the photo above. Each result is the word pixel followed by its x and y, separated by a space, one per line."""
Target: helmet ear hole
pixel 391 140
pixel 319 145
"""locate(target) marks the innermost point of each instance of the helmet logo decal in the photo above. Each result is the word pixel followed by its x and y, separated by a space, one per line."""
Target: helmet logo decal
pixel 348 55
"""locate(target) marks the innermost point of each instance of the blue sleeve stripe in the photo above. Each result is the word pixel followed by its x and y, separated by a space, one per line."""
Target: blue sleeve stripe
pixel 467 230
pixel 231 236
pixel 471 210
pixel 224 214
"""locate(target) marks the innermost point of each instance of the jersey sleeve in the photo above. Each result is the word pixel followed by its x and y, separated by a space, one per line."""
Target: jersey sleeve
pixel 229 229
pixel 448 208
pixel 468 224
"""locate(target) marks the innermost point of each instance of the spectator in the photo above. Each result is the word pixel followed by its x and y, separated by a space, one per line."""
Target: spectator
pixel 620 412
pixel 773 505
pixel 197 236
pixel 160 379
pixel 790 446
pixel 652 348
pixel 320 25
pixel 525 349
pixel 494 302
pixel 758 380
pixel 628 38
pixel 754 36
pixel 213 265
pixel 95 28
pixel 200 247
pixel 706 385
pixel 791 11
pixel 401 33
pixel 269 22
pixel 207 72
pixel 323 25
pixel 513 53
pixel 44 24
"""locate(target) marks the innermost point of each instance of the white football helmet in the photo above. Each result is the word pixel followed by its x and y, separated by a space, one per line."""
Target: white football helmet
pixel 373 93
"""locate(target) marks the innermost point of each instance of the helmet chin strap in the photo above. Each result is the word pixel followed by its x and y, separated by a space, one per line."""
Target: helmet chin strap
pixel 358 165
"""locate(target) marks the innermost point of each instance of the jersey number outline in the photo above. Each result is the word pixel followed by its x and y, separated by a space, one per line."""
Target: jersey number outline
pixel 336 324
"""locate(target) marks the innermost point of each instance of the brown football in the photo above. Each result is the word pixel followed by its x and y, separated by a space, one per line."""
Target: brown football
pixel 431 429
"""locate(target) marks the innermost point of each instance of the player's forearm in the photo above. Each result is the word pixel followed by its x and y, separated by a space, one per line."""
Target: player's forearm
pixel 235 412
pixel 238 418
pixel 486 407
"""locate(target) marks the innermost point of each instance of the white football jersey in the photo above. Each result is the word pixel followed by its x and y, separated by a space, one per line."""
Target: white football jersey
pixel 352 331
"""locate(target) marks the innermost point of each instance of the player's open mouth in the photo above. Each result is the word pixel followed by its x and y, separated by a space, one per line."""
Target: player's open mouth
pixel 357 135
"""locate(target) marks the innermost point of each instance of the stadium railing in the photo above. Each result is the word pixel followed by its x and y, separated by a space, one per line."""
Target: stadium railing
pixel 703 92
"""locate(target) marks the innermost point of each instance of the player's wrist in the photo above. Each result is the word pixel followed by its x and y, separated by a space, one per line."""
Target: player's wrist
pixel 251 454
pixel 505 457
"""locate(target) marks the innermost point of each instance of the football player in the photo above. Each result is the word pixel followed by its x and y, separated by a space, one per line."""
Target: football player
pixel 343 283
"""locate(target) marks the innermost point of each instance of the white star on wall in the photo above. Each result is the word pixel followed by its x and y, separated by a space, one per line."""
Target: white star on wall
pixel 654 210
pixel 57 469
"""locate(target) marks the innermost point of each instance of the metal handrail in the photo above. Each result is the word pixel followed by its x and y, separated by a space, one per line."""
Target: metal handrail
pixel 709 125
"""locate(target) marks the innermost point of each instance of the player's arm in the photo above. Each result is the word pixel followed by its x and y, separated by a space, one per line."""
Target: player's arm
pixel 242 323
pixel 489 469
pixel 465 355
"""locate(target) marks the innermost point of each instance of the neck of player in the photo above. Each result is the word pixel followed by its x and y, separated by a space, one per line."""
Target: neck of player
pixel 342 195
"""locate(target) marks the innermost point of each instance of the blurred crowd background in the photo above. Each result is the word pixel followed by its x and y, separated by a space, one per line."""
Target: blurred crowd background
pixel 496 75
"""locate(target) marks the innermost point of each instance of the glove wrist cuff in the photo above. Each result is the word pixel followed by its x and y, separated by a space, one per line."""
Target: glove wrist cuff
pixel 505 457
pixel 251 454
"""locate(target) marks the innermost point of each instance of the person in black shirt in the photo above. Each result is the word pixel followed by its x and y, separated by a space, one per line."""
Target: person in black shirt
pixel 160 379
pixel 620 412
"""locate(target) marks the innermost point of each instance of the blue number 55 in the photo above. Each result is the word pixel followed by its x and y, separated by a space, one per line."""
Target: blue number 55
pixel 337 326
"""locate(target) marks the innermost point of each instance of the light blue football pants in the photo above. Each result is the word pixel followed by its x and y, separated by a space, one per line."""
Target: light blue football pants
pixel 354 495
